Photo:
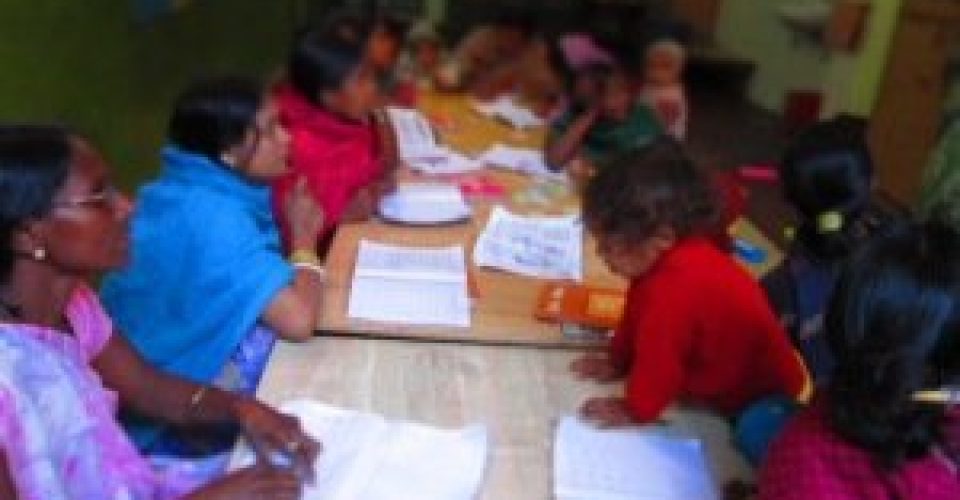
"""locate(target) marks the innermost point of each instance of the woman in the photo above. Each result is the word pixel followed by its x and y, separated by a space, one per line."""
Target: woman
pixel 338 147
pixel 827 176
pixel 888 425
pixel 207 286
pixel 63 369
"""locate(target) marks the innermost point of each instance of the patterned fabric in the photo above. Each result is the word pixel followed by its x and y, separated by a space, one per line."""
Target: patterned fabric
pixel 808 460
pixel 57 420
pixel 203 453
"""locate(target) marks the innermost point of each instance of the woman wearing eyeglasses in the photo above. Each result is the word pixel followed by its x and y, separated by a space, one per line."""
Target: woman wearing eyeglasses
pixel 888 423
pixel 207 287
pixel 62 367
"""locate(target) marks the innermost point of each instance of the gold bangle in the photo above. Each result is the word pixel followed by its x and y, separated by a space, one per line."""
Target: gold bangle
pixel 317 269
pixel 305 257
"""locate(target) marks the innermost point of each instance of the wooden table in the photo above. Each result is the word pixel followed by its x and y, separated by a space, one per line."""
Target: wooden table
pixel 519 392
pixel 504 303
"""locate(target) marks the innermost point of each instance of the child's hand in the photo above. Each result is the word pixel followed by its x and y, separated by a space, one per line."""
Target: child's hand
pixel 607 412
pixel 596 367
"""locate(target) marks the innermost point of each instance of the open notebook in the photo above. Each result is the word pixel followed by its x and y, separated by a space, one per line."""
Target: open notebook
pixel 640 463
pixel 366 457
pixel 410 285
pixel 419 148
pixel 539 247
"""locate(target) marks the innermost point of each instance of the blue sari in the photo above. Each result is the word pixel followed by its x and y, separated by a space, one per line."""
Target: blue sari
pixel 205 264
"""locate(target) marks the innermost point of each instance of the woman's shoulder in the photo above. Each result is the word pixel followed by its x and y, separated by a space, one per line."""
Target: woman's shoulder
pixel 802 460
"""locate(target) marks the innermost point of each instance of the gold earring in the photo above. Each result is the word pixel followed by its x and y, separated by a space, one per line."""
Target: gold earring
pixel 39 254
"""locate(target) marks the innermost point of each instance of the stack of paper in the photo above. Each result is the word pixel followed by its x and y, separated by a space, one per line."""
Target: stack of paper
pixel 523 160
pixel 541 247
pixel 418 147
pixel 366 457
pixel 506 108
pixel 425 204
pixel 421 286
pixel 631 464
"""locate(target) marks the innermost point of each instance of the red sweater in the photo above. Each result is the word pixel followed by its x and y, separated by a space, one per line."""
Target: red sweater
pixel 698 328
pixel 337 158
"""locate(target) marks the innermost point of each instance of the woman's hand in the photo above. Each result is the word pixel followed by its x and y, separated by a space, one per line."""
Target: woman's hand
pixel 596 367
pixel 304 217
pixel 272 432
pixel 254 483
pixel 362 206
pixel 607 412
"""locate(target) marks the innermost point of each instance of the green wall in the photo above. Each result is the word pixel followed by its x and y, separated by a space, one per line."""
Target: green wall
pixel 849 81
pixel 85 63
pixel 751 29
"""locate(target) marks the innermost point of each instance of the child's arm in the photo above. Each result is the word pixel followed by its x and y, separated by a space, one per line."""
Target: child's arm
pixel 656 371
pixel 563 147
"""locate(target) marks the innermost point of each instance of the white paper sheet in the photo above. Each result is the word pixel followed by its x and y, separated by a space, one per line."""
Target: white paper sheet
pixel 641 463
pixel 524 160
pixel 541 247
pixel 366 457
pixel 442 160
pixel 425 203
pixel 415 137
pixel 420 286
pixel 506 108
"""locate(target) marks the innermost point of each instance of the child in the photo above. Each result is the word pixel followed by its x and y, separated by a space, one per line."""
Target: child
pixel 383 53
pixel 827 176
pixel 488 54
pixel 662 87
pixel 601 124
pixel 328 104
pixel 423 57
pixel 697 328
pixel 887 425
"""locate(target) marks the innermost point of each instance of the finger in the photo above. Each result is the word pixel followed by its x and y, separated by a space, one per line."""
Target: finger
pixel 589 408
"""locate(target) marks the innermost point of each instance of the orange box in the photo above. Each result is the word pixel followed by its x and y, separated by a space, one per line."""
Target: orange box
pixel 561 302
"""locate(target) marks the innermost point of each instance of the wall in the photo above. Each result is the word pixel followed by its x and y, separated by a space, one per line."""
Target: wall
pixel 850 82
pixel 751 29
pixel 85 63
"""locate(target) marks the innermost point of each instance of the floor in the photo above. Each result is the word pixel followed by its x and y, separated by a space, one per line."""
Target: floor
pixel 726 132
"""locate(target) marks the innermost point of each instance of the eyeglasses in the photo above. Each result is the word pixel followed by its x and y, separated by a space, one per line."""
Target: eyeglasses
pixel 103 198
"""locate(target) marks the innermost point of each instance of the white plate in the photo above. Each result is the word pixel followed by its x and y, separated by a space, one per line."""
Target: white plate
pixel 425 205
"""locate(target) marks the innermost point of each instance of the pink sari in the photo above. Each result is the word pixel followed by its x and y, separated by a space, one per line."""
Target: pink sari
pixel 58 425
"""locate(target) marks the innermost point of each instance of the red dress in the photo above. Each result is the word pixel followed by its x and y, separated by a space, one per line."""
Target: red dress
pixel 698 329
pixel 336 156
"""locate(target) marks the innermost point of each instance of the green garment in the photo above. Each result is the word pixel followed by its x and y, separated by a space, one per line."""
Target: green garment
pixel 941 183
pixel 608 139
